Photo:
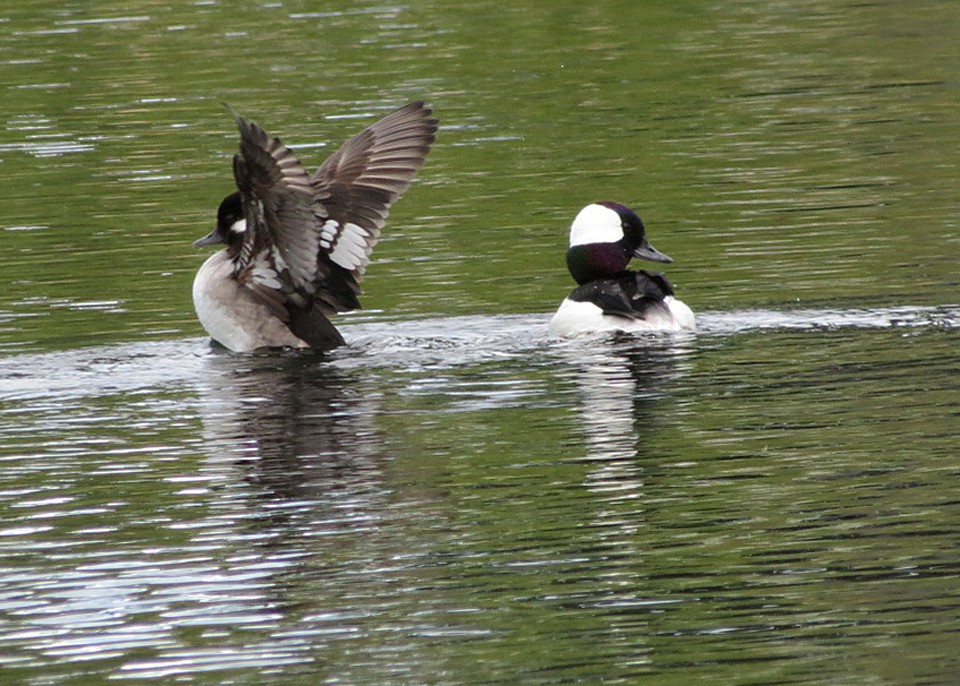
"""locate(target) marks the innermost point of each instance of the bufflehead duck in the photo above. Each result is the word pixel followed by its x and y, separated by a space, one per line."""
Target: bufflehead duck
pixel 604 237
pixel 297 245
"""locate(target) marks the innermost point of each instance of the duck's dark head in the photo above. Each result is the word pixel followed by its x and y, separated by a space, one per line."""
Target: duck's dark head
pixel 230 227
pixel 604 237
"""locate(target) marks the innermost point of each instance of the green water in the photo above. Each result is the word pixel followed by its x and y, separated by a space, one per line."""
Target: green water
pixel 778 152
pixel 455 497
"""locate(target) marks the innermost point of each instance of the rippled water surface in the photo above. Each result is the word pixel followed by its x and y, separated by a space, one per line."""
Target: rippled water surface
pixel 455 497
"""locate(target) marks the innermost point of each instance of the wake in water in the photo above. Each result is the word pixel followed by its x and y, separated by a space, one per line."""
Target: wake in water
pixel 401 345
pixel 742 321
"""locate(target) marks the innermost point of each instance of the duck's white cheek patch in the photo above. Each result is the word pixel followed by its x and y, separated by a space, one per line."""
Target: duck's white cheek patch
pixel 238 226
pixel 349 244
pixel 596 224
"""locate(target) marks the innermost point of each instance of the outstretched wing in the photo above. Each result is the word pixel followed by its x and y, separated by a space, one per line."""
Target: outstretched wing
pixel 283 228
pixel 358 183
pixel 308 239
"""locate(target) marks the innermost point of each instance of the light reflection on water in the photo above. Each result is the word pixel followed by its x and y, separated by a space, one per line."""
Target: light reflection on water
pixel 379 514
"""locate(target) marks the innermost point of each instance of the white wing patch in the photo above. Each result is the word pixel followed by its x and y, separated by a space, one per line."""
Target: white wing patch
pixel 328 233
pixel 349 245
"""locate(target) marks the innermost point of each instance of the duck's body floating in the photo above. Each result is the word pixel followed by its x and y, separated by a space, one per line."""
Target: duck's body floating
pixel 604 237
pixel 298 245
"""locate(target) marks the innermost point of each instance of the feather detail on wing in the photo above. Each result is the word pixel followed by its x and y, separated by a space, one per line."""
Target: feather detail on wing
pixel 280 211
pixel 308 239
pixel 360 181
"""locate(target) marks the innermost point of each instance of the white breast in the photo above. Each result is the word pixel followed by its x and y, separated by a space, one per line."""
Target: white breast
pixel 230 313
pixel 575 318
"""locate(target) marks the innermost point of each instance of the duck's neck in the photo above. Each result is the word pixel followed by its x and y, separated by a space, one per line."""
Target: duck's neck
pixel 596 261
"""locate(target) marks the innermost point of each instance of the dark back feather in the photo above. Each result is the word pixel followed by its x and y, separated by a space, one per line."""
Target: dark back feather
pixel 633 295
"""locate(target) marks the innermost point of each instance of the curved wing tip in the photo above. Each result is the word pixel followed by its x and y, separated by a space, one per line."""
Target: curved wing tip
pixel 241 122
pixel 426 109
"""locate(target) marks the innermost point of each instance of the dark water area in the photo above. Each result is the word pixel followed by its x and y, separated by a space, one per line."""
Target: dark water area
pixel 455 497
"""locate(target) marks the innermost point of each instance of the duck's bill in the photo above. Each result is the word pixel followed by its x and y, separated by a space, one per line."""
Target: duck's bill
pixel 648 252
pixel 210 239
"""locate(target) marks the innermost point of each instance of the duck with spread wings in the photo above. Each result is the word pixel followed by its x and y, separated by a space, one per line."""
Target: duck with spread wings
pixel 297 245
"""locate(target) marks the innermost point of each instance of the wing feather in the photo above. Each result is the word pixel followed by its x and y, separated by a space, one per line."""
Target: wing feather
pixel 360 181
pixel 308 239
pixel 357 186
pixel 279 204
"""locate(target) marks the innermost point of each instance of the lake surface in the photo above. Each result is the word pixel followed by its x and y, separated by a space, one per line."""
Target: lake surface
pixel 456 497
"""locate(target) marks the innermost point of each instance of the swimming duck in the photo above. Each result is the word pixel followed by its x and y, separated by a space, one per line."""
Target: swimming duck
pixel 297 245
pixel 604 237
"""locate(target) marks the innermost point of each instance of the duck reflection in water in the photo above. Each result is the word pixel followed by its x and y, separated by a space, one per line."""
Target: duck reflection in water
pixel 298 427
pixel 622 385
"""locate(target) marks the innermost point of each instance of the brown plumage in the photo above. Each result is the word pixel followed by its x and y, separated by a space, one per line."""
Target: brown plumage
pixel 305 241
